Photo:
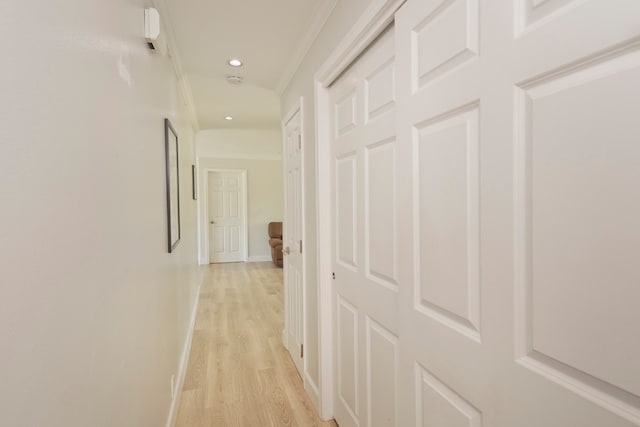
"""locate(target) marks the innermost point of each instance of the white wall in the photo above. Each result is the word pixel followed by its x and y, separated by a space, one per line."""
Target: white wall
pixel 259 152
pixel 264 200
pixel 263 144
pixel 94 312
pixel 339 23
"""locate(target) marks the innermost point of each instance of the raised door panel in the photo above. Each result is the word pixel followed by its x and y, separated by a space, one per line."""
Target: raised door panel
pixel 291 213
pixel 346 211
pixel 444 40
pixel 297 305
pixel 382 374
pixel 447 219
pixel 232 183
pixel 294 218
pixel 218 239
pixel 294 310
pixel 217 204
pixel 380 90
pixel 297 196
pixel 345 114
pixel 348 358
pixel 380 215
pixel 576 202
pixel 233 198
pixel 535 12
pixel 578 227
pixel 234 238
pixel 438 405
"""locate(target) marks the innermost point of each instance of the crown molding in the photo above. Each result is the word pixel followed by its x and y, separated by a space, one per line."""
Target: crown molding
pixel 183 81
pixel 322 12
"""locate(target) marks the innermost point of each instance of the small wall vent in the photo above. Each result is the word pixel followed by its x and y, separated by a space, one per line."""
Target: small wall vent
pixel 234 80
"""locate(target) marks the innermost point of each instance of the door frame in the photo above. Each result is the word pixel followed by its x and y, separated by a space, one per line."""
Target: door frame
pixel 298 107
pixel 374 20
pixel 205 234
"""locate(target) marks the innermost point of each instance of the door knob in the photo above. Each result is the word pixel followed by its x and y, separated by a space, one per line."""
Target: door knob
pixel 286 250
pixel 212 222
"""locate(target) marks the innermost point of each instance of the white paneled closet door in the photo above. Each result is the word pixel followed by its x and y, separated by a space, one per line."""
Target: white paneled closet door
pixel 365 224
pixel 518 147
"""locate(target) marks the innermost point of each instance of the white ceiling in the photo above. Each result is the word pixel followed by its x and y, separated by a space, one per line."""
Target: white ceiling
pixel 269 36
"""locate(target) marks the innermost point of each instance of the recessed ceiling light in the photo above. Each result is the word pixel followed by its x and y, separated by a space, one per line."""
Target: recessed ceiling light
pixel 235 62
pixel 228 118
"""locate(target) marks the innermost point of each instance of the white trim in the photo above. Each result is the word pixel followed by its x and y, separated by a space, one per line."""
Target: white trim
pixel 205 201
pixel 245 214
pixel 285 288
pixel 303 255
pixel 312 390
pixel 182 368
pixel 259 258
pixel 375 19
pixel 297 107
pixel 183 81
pixel 323 238
pixel 287 118
pixel 321 13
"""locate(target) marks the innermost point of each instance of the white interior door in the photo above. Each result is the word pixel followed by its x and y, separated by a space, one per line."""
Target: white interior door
pixel 518 139
pixel 365 239
pixel 292 240
pixel 227 234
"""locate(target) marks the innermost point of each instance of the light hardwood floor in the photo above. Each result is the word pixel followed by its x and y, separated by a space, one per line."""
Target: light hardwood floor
pixel 239 374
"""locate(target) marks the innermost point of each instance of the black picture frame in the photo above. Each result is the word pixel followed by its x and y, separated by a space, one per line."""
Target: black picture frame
pixel 173 185
pixel 194 181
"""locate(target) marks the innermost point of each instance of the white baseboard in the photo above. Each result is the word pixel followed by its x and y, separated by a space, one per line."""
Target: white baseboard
pixel 312 391
pixel 259 258
pixel 182 368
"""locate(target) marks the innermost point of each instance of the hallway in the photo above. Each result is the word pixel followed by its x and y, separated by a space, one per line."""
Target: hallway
pixel 239 374
pixel 457 181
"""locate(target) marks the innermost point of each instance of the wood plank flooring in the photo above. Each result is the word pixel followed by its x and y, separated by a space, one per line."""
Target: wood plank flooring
pixel 239 373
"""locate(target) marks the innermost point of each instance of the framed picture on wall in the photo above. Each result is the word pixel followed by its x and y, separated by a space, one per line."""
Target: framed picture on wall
pixel 194 181
pixel 173 185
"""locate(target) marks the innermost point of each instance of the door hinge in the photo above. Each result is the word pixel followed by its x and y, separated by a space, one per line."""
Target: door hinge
pixel 299 141
pixel 301 350
pixel 300 246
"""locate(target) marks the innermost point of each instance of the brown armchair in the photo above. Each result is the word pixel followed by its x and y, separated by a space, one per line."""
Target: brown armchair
pixel 275 241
